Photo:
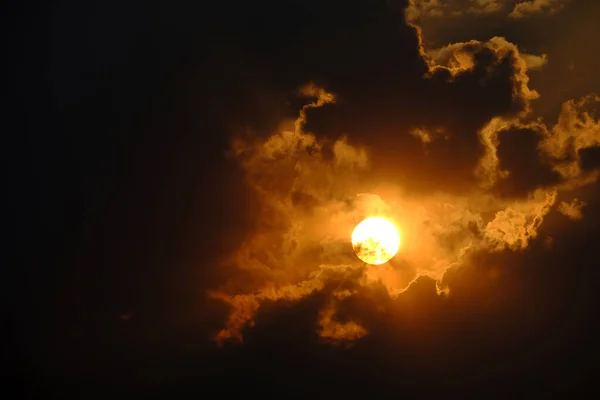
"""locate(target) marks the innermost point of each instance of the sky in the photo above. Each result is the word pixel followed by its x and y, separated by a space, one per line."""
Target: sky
pixel 184 179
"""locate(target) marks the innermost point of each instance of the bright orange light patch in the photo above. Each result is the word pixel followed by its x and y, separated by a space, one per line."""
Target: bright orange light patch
pixel 375 240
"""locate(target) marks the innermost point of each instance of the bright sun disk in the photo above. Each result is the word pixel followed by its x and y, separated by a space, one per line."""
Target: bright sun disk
pixel 375 240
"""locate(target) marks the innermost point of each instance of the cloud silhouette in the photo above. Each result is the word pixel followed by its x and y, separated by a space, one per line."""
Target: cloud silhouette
pixel 440 142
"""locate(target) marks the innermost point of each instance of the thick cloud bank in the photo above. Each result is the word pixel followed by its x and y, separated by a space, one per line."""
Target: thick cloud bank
pixel 440 142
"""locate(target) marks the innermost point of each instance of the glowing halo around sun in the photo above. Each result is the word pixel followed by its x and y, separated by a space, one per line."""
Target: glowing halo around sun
pixel 375 240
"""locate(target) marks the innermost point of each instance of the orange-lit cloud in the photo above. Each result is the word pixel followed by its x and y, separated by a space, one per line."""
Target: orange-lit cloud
pixel 477 175
pixel 419 10
pixel 459 58
pixel 521 157
pixel 575 131
pixel 451 55
pixel 336 331
pixel 528 8
pixel 312 202
pixel 573 209
pixel 518 223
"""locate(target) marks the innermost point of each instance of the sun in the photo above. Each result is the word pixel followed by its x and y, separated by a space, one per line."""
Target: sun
pixel 375 240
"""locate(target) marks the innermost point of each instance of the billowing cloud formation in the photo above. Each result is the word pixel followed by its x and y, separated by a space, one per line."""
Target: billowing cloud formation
pixel 303 244
pixel 449 54
pixel 528 8
pixel 514 226
pixel 442 144
pixel 576 131
pixel 422 9
pixel 490 77
pixel 522 157
pixel 418 9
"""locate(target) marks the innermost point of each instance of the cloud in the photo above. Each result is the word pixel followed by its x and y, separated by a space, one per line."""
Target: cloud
pixel 245 306
pixel 468 84
pixel 452 151
pixel 514 226
pixel 589 158
pixel 311 203
pixel 528 8
pixel 572 210
pixel 522 168
pixel 335 331
pixel 441 142
pixel 485 6
pixel 565 46
pixel 450 55
pixel 575 131
pixel 522 157
pixel 462 58
pixel 421 9
pixel 534 61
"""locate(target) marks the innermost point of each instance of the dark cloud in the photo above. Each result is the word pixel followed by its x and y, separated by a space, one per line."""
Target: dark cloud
pixel 519 155
pixel 569 47
pixel 509 313
pixel 453 103
pixel 590 157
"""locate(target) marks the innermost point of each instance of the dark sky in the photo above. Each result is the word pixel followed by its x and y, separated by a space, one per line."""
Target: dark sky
pixel 175 234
